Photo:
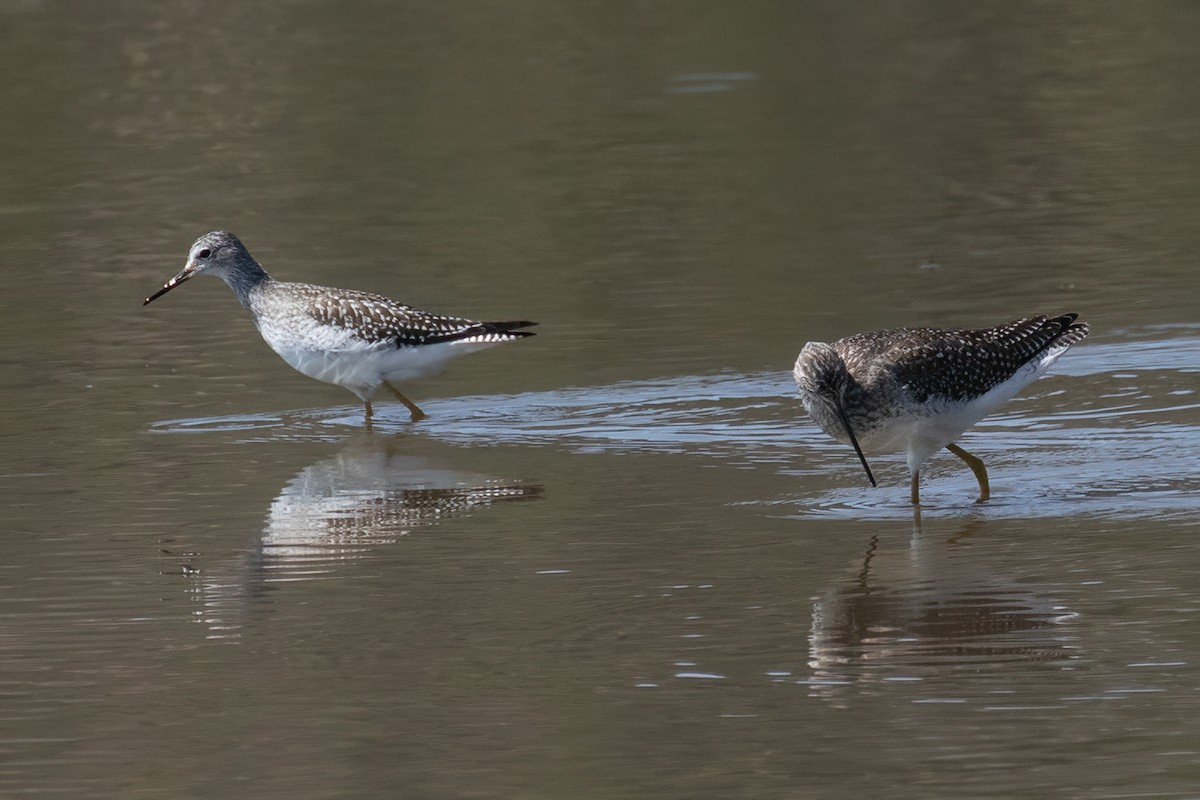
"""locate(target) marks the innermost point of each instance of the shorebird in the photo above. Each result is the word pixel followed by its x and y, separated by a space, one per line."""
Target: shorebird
pixel 919 389
pixel 354 339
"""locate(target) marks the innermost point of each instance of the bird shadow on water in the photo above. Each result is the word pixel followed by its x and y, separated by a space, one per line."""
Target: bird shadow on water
pixel 337 510
pixel 928 609
pixel 1113 432
pixel 951 613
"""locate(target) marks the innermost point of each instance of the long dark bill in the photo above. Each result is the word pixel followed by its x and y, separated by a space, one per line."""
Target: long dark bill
pixel 169 285
pixel 854 441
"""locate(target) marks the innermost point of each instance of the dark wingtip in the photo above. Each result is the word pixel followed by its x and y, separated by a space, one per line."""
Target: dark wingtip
pixel 1070 331
pixel 1064 321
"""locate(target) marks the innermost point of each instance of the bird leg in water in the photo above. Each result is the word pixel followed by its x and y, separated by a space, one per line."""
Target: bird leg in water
pixel 417 413
pixel 977 467
pixel 915 491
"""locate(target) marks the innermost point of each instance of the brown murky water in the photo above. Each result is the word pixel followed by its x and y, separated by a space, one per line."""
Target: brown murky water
pixel 617 561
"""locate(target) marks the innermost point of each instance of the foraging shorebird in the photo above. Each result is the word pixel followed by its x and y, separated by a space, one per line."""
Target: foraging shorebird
pixel 919 389
pixel 354 339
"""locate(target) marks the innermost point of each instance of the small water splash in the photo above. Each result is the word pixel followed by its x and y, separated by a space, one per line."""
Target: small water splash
pixel 305 425
pixel 231 423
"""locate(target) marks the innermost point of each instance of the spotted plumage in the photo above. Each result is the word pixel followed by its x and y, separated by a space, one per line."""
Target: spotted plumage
pixel 353 339
pixel 919 389
pixel 380 320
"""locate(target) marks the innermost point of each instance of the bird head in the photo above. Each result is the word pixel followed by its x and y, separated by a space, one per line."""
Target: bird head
pixel 219 253
pixel 821 374
pixel 822 378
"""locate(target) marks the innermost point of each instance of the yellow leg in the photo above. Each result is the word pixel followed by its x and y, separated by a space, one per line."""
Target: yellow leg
pixel 977 467
pixel 417 413
pixel 915 491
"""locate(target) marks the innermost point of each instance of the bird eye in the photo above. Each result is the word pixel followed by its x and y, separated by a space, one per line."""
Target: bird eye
pixel 205 253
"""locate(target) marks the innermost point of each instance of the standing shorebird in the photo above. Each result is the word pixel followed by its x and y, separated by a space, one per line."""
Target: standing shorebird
pixel 919 389
pixel 354 339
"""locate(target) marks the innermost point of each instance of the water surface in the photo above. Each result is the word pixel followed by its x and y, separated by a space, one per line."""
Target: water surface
pixel 617 560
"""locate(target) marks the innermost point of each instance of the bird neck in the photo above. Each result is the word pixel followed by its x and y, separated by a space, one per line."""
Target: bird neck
pixel 248 276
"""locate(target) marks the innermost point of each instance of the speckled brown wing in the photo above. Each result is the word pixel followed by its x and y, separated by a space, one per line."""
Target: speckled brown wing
pixel 963 364
pixel 377 319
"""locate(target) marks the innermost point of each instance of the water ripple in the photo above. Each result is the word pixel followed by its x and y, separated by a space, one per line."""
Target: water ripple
pixel 1113 433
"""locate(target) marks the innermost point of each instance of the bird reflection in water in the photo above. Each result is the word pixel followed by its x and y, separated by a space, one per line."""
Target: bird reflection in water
pixel 909 614
pixel 337 510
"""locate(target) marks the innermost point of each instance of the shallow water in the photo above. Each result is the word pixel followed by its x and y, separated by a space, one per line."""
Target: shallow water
pixel 1118 443
pixel 617 560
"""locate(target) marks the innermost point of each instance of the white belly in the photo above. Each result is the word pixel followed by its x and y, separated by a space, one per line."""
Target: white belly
pixel 338 356
pixel 924 434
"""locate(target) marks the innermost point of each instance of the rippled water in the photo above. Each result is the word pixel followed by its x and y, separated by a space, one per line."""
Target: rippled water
pixel 1112 435
pixel 617 560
